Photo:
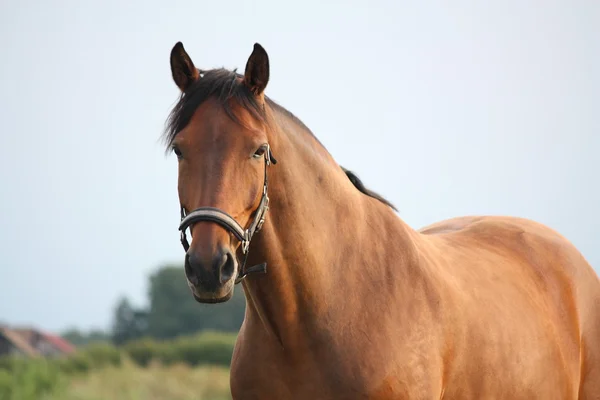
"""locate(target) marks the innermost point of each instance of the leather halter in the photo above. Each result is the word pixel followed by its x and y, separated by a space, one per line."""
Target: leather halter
pixel 220 217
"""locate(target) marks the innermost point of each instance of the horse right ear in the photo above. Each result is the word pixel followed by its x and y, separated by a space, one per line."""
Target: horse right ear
pixel 182 68
pixel 256 75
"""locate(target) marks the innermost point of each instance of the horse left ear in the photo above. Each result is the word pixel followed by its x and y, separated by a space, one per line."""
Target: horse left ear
pixel 183 69
pixel 256 75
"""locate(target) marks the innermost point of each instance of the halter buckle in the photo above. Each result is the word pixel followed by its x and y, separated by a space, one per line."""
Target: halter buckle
pixel 245 244
pixel 260 224
pixel 263 215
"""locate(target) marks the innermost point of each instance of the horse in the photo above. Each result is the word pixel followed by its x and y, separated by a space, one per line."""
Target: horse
pixel 344 300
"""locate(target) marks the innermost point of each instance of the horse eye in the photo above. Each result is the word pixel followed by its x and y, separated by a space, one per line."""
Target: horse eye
pixel 177 151
pixel 260 151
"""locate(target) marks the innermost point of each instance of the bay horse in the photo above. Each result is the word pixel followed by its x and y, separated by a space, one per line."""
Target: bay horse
pixel 344 299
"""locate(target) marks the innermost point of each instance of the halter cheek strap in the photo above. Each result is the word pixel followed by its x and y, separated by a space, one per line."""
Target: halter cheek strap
pixel 220 217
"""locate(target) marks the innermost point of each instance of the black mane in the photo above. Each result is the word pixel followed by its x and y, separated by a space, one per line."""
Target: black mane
pixel 361 187
pixel 226 87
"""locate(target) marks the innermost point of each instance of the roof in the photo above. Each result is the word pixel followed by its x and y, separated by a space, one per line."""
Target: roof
pixel 19 342
pixel 58 342
pixel 31 336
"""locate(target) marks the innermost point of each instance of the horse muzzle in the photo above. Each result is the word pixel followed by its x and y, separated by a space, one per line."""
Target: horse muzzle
pixel 211 277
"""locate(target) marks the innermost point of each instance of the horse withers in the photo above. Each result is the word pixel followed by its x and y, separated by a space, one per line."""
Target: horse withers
pixel 344 299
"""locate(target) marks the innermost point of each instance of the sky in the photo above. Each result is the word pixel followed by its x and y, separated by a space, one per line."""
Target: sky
pixel 446 108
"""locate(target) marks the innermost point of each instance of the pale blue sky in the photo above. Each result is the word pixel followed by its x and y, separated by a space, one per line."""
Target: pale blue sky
pixel 445 108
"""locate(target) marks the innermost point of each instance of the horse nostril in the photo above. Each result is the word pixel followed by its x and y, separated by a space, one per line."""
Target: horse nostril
pixel 212 271
pixel 227 269
pixel 189 271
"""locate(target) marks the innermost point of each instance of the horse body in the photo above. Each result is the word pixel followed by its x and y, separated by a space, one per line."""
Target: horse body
pixel 487 310
pixel 356 304
pixel 517 330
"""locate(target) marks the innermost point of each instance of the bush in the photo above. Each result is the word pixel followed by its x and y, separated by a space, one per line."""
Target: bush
pixel 74 364
pixel 142 351
pixel 29 379
pixel 7 363
pixel 6 384
pixel 206 348
pixel 102 355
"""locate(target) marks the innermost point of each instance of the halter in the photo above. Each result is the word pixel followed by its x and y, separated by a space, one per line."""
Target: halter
pixel 220 217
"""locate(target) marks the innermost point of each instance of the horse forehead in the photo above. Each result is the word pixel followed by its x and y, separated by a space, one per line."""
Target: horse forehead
pixel 211 120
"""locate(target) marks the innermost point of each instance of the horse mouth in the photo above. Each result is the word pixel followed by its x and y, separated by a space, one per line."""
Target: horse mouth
pixel 219 294
pixel 212 299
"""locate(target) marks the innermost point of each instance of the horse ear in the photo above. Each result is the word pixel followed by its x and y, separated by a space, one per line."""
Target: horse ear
pixel 256 75
pixel 182 68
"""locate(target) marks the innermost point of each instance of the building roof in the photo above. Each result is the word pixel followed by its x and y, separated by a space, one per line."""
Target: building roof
pixel 19 342
pixel 29 338
pixel 58 342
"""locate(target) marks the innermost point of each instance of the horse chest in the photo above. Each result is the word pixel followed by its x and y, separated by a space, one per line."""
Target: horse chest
pixel 291 384
pixel 266 375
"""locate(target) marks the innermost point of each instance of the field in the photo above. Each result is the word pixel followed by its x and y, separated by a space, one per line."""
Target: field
pixel 186 368
pixel 155 382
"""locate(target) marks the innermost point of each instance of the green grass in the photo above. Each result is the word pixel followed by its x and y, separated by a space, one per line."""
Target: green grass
pixel 155 382
pixel 186 368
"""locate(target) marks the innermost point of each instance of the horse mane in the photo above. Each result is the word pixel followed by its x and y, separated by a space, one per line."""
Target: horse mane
pixel 226 87
pixel 361 187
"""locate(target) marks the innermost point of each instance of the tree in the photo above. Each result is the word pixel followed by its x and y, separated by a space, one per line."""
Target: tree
pixel 174 312
pixel 128 323
pixel 80 338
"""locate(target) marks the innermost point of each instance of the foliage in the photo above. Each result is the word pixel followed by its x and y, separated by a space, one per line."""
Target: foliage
pixel 102 355
pixel 174 312
pixel 29 379
pixel 38 378
pixel 77 363
pixel 156 382
pixel 93 356
pixel 142 351
pixel 79 338
pixel 205 348
pixel 129 323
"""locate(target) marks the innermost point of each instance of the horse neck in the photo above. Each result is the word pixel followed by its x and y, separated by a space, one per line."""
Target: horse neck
pixel 316 241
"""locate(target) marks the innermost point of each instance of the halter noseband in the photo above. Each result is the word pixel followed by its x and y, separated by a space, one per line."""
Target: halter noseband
pixel 220 217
